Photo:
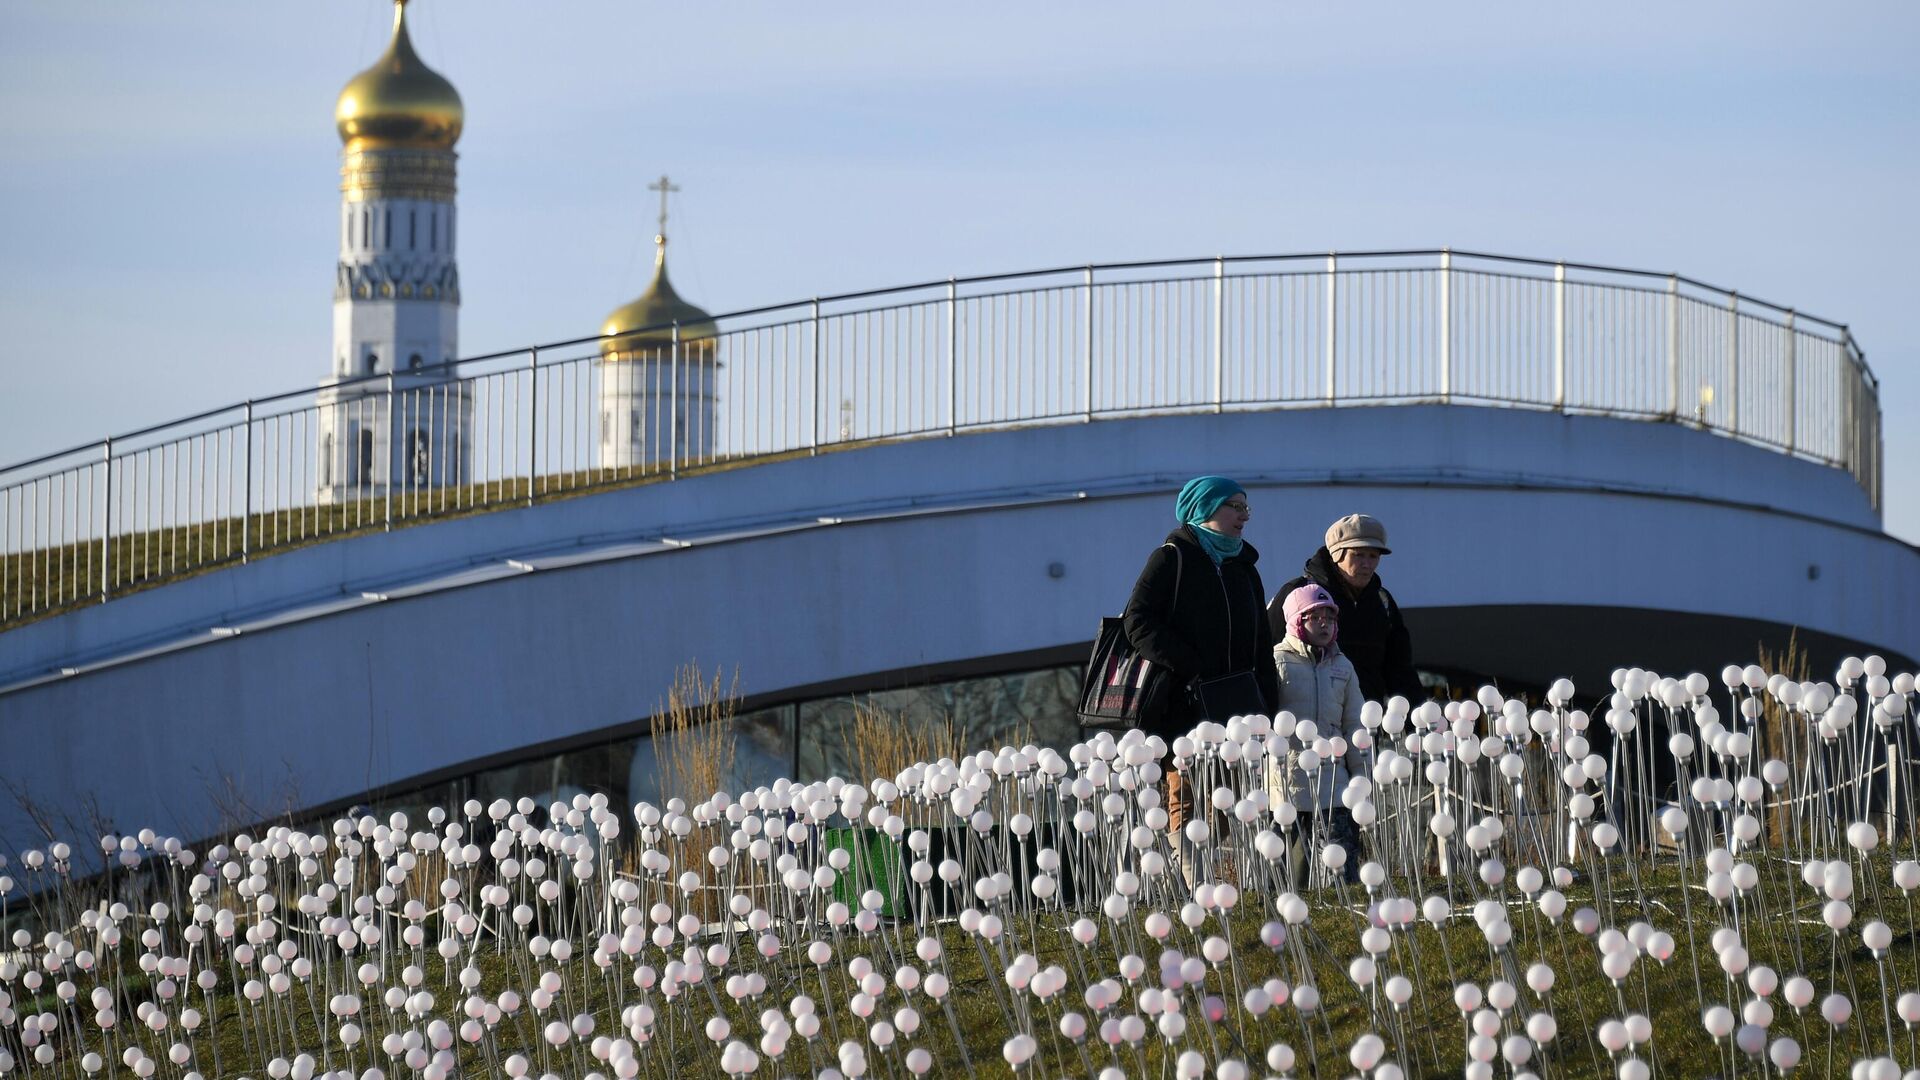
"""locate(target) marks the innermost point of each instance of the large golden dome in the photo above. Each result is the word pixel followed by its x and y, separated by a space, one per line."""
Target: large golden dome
pixel 659 308
pixel 399 101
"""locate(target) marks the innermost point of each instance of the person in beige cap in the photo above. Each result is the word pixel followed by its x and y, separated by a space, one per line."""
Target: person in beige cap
pixel 1373 635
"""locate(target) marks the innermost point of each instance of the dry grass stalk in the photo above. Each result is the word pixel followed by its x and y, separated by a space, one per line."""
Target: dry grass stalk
pixel 879 744
pixel 1793 662
pixel 693 748
pixel 693 736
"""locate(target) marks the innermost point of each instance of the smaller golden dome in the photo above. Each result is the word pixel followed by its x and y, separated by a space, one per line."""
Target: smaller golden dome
pixel 399 101
pixel 647 323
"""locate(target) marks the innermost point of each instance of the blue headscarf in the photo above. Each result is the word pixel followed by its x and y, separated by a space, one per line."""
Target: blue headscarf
pixel 1198 500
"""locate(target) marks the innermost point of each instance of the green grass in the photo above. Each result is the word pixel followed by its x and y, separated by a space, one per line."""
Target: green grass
pixel 50 580
pixel 1428 1038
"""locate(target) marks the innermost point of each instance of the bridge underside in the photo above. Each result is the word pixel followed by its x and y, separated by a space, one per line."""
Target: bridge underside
pixel 1586 643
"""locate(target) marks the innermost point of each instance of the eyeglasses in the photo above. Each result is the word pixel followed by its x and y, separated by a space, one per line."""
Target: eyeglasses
pixel 1238 507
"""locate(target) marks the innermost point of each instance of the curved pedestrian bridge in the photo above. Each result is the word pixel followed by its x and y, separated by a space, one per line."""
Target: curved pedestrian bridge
pixel 1067 345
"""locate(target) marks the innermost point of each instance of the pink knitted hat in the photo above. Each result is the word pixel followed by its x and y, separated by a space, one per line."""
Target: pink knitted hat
pixel 1308 597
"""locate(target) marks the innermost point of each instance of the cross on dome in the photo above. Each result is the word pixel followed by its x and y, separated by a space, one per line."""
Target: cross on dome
pixel 665 187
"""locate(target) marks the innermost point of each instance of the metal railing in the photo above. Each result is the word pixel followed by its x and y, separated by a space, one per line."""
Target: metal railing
pixel 1050 346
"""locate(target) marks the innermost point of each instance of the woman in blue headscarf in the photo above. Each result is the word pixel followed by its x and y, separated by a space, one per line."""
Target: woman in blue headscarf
pixel 1199 610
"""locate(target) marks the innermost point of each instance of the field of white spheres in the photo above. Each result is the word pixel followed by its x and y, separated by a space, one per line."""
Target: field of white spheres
pixel 1694 877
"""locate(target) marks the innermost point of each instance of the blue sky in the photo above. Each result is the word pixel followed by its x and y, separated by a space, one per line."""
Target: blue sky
pixel 170 172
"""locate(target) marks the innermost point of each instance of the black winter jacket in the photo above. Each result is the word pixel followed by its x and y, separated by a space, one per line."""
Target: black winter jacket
pixel 1372 632
pixel 1213 628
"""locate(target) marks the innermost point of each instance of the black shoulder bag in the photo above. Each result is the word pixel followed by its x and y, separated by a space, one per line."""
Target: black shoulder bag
pixel 1120 688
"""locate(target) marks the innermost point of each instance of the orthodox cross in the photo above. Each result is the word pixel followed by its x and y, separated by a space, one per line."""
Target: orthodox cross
pixel 665 188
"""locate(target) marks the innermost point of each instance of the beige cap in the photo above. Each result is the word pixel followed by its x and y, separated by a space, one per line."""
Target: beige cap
pixel 1357 531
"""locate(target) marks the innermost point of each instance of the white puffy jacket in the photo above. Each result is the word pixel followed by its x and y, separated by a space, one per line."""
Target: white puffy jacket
pixel 1325 690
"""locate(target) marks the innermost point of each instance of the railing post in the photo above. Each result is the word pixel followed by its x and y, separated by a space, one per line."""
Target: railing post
pixel 673 404
pixel 1446 326
pixel 1086 350
pixel 953 356
pixel 106 524
pixel 388 467
pixel 1733 362
pixel 1793 383
pixel 1559 336
pixel 1333 319
pixel 813 437
pixel 533 420
pixel 1673 346
pixel 1219 332
pixel 1851 441
pixel 246 484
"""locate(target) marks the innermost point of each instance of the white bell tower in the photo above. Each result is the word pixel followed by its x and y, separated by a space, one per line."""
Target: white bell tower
pixel 394 420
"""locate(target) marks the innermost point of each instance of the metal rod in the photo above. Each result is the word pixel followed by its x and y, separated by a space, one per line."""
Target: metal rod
pixel 1087 347
pixel 813 438
pixel 1733 362
pixel 673 404
pixel 387 468
pixel 106 524
pixel 1332 331
pixel 1792 380
pixel 533 422
pixel 1673 346
pixel 1560 335
pixel 1219 331
pixel 953 357
pixel 246 515
pixel 1446 325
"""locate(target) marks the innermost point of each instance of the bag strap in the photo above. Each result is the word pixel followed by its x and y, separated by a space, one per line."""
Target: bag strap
pixel 1179 565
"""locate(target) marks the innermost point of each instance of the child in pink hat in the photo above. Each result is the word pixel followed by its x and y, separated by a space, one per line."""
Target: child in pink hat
pixel 1320 699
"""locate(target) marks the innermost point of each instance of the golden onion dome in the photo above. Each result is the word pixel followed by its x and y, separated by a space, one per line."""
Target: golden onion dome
pixel 647 322
pixel 399 101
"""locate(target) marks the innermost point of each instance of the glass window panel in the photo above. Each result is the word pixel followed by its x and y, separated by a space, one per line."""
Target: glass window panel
pixel 599 769
pixel 886 730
